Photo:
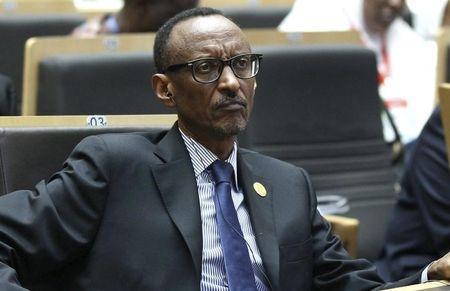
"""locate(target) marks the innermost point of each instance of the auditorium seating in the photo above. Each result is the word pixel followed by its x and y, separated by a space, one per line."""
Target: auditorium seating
pixel 16 29
pixel 48 89
pixel 318 107
pixel 32 148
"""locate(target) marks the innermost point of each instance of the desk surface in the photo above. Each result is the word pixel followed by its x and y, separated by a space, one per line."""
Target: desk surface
pixel 429 286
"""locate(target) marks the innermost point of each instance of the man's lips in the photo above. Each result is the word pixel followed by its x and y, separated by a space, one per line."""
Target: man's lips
pixel 232 105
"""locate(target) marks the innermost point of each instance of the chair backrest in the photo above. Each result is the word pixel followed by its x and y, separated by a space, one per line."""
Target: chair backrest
pixel 16 29
pixel 444 96
pixel 39 48
pixel 318 107
pixel 257 17
pixel 98 84
pixel 53 138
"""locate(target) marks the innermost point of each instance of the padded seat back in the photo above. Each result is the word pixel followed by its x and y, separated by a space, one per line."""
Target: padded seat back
pixel 28 155
pixel 105 83
pixel 16 29
pixel 318 107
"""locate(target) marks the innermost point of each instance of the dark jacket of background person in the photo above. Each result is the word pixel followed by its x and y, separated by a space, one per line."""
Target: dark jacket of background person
pixel 8 98
pixel 419 230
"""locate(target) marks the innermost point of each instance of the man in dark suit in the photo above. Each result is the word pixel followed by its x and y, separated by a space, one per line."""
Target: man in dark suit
pixel 419 231
pixel 140 212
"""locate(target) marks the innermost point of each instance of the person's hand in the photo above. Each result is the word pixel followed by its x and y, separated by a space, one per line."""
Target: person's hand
pixel 440 269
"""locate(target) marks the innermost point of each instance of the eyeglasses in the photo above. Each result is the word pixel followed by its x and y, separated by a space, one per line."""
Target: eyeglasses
pixel 208 70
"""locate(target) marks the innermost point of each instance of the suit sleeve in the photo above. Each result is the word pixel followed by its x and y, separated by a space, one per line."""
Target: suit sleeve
pixel 428 181
pixel 42 230
pixel 334 269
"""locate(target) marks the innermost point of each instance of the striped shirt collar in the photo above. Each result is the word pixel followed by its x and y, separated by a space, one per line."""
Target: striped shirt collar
pixel 202 157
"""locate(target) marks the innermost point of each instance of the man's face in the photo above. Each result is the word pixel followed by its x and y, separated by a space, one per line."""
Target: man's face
pixel 379 14
pixel 219 109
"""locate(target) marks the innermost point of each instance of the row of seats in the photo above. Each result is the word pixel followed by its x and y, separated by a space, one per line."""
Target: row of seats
pixel 16 29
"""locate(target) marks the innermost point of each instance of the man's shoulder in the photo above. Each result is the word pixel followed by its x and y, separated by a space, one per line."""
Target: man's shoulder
pixel 151 137
pixel 122 144
pixel 260 160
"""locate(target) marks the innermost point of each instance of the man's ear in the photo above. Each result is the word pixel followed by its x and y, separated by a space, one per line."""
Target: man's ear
pixel 161 86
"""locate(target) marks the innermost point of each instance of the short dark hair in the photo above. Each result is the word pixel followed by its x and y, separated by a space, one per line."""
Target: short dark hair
pixel 160 54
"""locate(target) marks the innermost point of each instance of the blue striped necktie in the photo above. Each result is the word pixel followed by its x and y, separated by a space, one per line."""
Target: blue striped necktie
pixel 238 267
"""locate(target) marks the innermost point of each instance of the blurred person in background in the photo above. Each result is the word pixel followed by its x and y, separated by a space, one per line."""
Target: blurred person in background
pixel 428 16
pixel 418 231
pixel 406 63
pixel 135 16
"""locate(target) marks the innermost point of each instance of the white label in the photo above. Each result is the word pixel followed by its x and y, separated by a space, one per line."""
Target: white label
pixel 111 43
pixel 96 121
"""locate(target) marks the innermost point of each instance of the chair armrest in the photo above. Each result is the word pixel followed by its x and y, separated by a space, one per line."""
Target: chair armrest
pixel 347 230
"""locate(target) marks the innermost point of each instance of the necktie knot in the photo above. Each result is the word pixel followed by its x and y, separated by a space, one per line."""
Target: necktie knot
pixel 222 171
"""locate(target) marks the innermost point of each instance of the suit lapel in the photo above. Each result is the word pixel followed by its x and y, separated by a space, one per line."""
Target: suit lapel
pixel 176 181
pixel 261 215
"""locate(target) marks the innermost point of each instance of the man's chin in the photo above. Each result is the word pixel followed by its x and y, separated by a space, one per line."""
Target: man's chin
pixel 230 129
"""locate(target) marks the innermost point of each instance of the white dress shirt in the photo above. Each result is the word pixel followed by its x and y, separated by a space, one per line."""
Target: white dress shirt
pixel 213 267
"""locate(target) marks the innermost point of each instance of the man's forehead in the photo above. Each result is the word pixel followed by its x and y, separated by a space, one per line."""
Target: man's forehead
pixel 198 30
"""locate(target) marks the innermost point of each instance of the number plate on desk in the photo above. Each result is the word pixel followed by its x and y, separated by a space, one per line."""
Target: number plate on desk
pixel 96 121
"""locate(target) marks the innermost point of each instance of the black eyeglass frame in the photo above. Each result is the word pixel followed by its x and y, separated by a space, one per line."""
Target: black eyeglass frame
pixel 227 62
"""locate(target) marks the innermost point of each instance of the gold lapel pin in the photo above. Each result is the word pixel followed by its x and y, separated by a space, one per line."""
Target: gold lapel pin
pixel 260 189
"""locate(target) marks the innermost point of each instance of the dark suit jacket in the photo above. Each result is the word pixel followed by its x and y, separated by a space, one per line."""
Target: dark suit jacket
pixel 419 230
pixel 123 214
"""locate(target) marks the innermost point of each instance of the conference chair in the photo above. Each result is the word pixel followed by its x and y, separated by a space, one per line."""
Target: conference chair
pixel 257 17
pixel 16 29
pixel 34 147
pixel 40 48
pixel 318 107
pixel 98 84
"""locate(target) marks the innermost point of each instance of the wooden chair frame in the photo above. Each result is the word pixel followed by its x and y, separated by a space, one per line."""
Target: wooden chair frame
pixel 444 96
pixel 442 41
pixel 84 120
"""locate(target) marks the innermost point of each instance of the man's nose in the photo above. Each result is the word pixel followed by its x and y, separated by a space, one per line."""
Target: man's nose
pixel 228 80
